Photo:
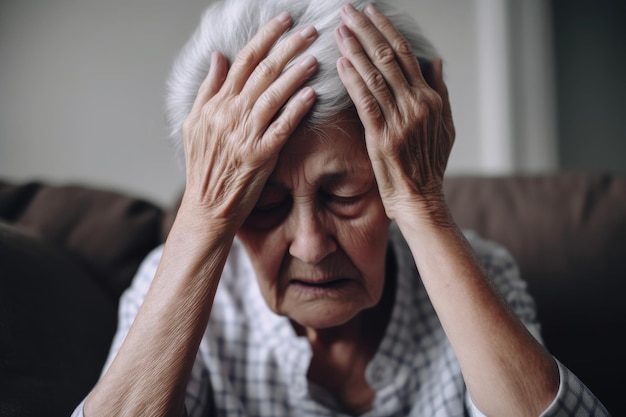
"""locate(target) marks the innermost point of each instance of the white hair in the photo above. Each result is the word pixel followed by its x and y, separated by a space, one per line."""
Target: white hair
pixel 228 25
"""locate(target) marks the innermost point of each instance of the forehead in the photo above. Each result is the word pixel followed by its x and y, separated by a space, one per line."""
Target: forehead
pixel 336 150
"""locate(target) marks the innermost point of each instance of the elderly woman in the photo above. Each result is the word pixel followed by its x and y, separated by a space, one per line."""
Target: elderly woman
pixel 313 268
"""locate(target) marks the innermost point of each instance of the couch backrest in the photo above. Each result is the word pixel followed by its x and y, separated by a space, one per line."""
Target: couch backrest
pixel 106 232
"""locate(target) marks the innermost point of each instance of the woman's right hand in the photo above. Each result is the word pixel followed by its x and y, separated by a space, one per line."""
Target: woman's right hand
pixel 241 119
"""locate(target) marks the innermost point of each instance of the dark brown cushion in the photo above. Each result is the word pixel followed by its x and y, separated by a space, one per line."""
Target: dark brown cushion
pixel 55 327
pixel 107 233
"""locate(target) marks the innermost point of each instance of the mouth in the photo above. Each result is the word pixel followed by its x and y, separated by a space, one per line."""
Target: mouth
pixel 321 284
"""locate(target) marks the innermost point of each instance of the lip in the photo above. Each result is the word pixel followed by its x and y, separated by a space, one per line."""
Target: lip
pixel 324 282
pixel 320 287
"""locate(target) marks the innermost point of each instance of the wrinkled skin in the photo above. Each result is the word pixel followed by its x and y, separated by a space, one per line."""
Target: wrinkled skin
pixel 408 121
pixel 232 138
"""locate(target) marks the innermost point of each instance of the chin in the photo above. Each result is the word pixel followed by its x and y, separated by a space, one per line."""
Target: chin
pixel 324 316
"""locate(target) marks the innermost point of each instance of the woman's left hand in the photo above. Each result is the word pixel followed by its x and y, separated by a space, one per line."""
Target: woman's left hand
pixel 409 134
pixel 407 119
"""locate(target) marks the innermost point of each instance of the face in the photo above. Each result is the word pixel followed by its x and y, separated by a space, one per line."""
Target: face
pixel 317 237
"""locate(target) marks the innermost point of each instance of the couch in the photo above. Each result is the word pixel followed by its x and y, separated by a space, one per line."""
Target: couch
pixel 68 251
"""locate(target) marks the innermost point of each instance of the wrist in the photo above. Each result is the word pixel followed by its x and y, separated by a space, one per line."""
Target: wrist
pixel 424 206
pixel 199 218
pixel 196 233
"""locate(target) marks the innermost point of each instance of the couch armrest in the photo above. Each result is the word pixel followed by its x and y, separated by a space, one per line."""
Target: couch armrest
pixel 56 326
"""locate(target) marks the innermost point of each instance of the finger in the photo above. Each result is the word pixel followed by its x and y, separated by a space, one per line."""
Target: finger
pixel 372 79
pixel 377 48
pixel 270 68
pixel 437 83
pixel 401 47
pixel 258 47
pixel 271 101
pixel 288 120
pixel 365 103
pixel 213 82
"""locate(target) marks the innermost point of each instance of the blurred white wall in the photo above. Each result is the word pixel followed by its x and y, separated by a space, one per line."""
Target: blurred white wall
pixel 82 83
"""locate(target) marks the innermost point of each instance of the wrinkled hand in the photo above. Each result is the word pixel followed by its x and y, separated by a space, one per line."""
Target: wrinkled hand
pixel 241 118
pixel 407 119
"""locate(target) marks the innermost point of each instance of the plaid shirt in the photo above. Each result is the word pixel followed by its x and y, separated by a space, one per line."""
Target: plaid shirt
pixel 258 365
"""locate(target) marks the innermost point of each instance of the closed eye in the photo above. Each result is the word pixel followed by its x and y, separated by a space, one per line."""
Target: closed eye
pixel 268 207
pixel 271 209
pixel 344 206
pixel 342 200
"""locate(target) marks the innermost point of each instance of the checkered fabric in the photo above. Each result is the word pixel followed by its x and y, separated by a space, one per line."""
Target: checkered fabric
pixel 251 362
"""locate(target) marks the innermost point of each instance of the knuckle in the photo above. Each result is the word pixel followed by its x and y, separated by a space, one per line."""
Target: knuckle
pixel 428 102
pixel 434 101
pixel 282 128
pixel 403 47
pixel 187 126
pixel 361 22
pixel 418 110
pixel 265 69
pixel 422 113
pixel 369 106
pixel 394 147
pixel 291 43
pixel 269 100
pixel 247 58
pixel 375 80
pixel 384 54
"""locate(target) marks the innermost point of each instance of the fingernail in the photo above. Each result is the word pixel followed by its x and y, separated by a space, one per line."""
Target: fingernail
pixel 284 17
pixel 345 62
pixel 308 62
pixel 349 8
pixel 307 93
pixel 308 32
pixel 371 10
pixel 344 32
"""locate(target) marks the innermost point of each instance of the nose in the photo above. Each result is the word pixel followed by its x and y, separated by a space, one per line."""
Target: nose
pixel 311 240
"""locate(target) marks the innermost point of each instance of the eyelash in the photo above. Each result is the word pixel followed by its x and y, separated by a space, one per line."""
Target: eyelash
pixel 344 201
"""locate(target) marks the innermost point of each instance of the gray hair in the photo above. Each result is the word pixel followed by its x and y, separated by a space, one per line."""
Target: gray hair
pixel 228 25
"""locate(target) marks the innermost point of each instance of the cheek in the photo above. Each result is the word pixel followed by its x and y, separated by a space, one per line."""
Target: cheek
pixel 266 251
pixel 365 241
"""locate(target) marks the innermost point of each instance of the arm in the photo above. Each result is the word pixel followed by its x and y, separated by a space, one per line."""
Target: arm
pixel 232 138
pixel 409 135
pixel 198 387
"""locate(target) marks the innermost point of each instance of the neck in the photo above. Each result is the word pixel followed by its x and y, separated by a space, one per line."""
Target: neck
pixel 341 354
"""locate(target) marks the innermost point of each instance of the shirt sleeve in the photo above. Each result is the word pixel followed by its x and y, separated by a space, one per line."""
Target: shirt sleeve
pixel 78 411
pixel 197 395
pixel 573 399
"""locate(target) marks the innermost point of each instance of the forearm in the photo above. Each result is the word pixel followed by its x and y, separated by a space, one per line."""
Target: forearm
pixel 506 370
pixel 151 369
